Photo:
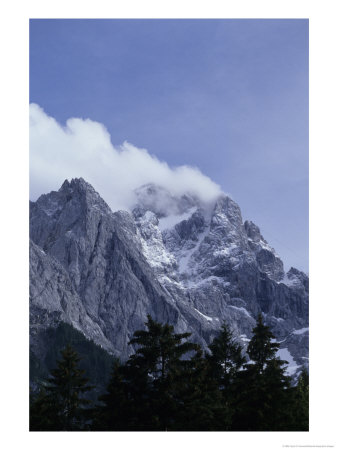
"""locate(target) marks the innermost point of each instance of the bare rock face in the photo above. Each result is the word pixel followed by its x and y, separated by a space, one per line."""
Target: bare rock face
pixel 98 263
pixel 267 259
pixel 191 264
pixel 53 298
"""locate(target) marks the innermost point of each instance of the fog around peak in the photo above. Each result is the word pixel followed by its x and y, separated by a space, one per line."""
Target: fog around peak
pixel 83 148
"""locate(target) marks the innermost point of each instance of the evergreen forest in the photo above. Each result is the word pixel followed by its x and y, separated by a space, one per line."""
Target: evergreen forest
pixel 170 384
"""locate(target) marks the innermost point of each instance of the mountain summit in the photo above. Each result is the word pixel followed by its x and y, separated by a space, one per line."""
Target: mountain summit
pixel 192 264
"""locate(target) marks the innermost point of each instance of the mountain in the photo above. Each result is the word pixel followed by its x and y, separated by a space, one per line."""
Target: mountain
pixel 190 263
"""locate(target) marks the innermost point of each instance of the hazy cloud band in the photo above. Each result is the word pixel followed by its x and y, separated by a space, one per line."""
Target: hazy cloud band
pixel 83 148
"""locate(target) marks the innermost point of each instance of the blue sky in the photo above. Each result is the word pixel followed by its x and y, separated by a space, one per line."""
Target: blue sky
pixel 227 96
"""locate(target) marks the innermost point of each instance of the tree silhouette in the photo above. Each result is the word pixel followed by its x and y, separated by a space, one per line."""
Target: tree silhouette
pixel 224 362
pixel 262 392
pixel 170 384
pixel 61 405
pixel 261 348
pixel 147 389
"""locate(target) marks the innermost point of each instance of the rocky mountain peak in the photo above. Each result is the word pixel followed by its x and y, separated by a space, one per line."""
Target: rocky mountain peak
pixel 252 231
pixel 74 195
pixel 184 262
pixel 297 278
pixel 228 208
pixel 266 256
pixel 78 184
pixel 79 190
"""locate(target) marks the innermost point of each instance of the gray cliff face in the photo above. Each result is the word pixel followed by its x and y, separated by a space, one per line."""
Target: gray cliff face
pixel 53 298
pixel 227 272
pixel 100 264
pixel 191 264
pixel 267 259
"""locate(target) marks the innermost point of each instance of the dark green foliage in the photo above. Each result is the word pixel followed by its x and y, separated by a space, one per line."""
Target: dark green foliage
pixel 225 358
pixel 261 348
pixel 168 384
pixel 300 404
pixel 263 399
pixel 95 361
pixel 60 404
pixel 114 411
pixel 199 399
pixel 224 363
pixel 41 412
pixel 37 369
pixel 149 384
pixel 262 391
pixel 160 350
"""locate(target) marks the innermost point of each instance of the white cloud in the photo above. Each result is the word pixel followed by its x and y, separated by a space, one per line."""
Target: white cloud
pixel 83 148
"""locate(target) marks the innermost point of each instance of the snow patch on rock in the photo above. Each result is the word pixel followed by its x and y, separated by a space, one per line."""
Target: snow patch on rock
pixel 292 367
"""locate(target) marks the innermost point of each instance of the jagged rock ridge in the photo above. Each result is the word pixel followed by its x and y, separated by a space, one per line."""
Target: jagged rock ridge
pixel 192 264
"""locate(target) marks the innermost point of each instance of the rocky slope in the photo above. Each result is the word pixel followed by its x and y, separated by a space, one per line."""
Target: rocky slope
pixel 192 264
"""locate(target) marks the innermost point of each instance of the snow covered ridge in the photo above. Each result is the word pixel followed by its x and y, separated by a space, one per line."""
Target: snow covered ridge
pixel 203 315
pixel 208 251
pixel 189 263
pixel 301 331
pixel 199 229
pixel 243 310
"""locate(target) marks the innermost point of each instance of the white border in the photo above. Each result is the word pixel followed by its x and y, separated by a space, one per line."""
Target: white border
pixel 14 223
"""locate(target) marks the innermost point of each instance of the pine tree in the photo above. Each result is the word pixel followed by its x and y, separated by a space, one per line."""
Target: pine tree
pixel 300 403
pixel 114 412
pixel 42 415
pixel 199 399
pixel 226 358
pixel 146 393
pixel 224 362
pixel 158 359
pixel 160 349
pixel 61 405
pixel 261 348
pixel 262 388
